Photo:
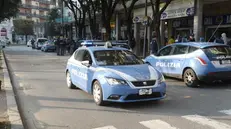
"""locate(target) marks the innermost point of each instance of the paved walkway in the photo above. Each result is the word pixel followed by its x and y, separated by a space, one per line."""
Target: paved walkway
pixel 3 102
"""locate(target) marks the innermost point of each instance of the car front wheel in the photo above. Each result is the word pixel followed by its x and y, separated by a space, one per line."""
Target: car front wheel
pixel 98 94
pixel 69 82
pixel 190 78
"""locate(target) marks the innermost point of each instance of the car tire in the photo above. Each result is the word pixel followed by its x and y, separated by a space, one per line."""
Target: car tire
pixel 190 78
pixel 70 85
pixel 97 93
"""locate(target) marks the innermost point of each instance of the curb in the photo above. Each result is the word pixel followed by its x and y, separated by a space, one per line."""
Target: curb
pixel 12 108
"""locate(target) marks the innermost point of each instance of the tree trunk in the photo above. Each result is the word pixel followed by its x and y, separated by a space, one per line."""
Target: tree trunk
pixel 26 38
pixel 158 35
pixel 80 32
pixel 129 33
pixel 108 30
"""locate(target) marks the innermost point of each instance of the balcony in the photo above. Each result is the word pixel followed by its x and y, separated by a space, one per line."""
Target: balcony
pixel 34 7
pixel 32 15
pixel 43 1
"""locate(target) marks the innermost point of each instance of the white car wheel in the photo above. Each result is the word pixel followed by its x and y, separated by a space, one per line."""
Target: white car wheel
pixel 98 94
pixel 69 82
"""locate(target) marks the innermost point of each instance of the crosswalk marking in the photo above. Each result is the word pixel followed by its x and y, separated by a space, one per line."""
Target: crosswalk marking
pixel 106 127
pixel 227 112
pixel 208 122
pixel 157 124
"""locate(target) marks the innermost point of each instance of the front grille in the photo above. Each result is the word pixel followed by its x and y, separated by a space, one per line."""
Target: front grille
pixel 137 96
pixel 143 83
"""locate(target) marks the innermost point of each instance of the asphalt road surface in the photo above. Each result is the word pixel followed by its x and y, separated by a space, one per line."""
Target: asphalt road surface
pixel 47 103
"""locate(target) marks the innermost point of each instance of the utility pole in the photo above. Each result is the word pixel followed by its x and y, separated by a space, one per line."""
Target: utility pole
pixel 62 19
pixel 145 33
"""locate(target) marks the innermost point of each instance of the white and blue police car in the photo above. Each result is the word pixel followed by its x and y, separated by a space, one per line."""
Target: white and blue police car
pixel 114 74
pixel 194 62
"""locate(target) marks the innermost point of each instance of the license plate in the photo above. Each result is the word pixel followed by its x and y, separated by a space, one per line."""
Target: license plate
pixel 145 91
pixel 225 62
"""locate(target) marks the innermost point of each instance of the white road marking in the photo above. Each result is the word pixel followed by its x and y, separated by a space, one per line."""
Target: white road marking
pixel 106 127
pixel 227 112
pixel 157 124
pixel 207 122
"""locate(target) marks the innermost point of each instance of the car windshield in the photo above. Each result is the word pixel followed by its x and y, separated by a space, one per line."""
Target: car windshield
pixel 42 40
pixel 122 45
pixel 216 52
pixel 116 57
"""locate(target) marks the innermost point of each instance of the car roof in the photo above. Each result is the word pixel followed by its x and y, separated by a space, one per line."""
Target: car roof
pixel 41 38
pixel 102 48
pixel 200 44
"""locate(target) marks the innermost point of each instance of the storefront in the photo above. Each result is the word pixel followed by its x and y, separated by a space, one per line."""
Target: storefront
pixel 217 19
pixel 216 25
pixel 179 18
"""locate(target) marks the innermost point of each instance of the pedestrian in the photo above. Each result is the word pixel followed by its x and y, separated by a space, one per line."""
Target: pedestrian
pixel 32 43
pixel 171 40
pixel 62 47
pixel 224 38
pixel 191 38
pixel 218 40
pixel 178 39
pixel 57 44
pixel 153 46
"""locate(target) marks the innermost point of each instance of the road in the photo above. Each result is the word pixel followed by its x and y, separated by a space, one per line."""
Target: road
pixel 47 103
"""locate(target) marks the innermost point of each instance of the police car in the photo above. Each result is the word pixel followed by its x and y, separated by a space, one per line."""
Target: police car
pixel 194 62
pixel 114 74
pixel 119 43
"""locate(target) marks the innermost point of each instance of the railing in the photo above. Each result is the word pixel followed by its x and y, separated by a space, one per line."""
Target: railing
pixel 34 7
pixel 32 15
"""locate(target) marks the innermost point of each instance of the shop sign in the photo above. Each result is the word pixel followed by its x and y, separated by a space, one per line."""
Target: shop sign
pixel 216 20
pixel 146 20
pixel 3 32
pixel 136 19
pixel 67 16
pixel 179 8
pixel 186 22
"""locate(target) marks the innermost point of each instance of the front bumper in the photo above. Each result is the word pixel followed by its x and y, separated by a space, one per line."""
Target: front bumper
pixel 212 76
pixel 128 94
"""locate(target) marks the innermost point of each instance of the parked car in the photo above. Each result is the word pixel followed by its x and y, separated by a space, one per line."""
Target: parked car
pixel 114 74
pixel 194 62
pixel 29 43
pixel 40 42
pixel 48 46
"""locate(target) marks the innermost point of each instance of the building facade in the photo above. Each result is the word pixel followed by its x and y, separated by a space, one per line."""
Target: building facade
pixel 36 10
pixel 202 18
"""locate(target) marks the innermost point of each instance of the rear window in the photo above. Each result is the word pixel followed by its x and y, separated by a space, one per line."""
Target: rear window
pixel 42 40
pixel 218 52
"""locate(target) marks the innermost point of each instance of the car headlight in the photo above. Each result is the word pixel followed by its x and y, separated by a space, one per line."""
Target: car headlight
pixel 113 81
pixel 161 79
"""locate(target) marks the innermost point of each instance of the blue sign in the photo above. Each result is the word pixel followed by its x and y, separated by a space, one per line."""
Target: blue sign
pixel 216 20
pixel 65 20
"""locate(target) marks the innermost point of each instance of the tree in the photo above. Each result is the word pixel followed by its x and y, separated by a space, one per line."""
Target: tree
pixel 8 8
pixel 93 8
pixel 23 27
pixel 128 15
pixel 51 26
pixel 157 11
pixel 79 15
pixel 53 14
pixel 107 11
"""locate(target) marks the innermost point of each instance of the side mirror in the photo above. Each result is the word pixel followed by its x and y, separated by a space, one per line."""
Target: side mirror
pixel 86 63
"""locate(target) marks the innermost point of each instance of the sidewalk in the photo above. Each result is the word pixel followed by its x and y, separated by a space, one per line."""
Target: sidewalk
pixel 4 119
pixel 9 114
